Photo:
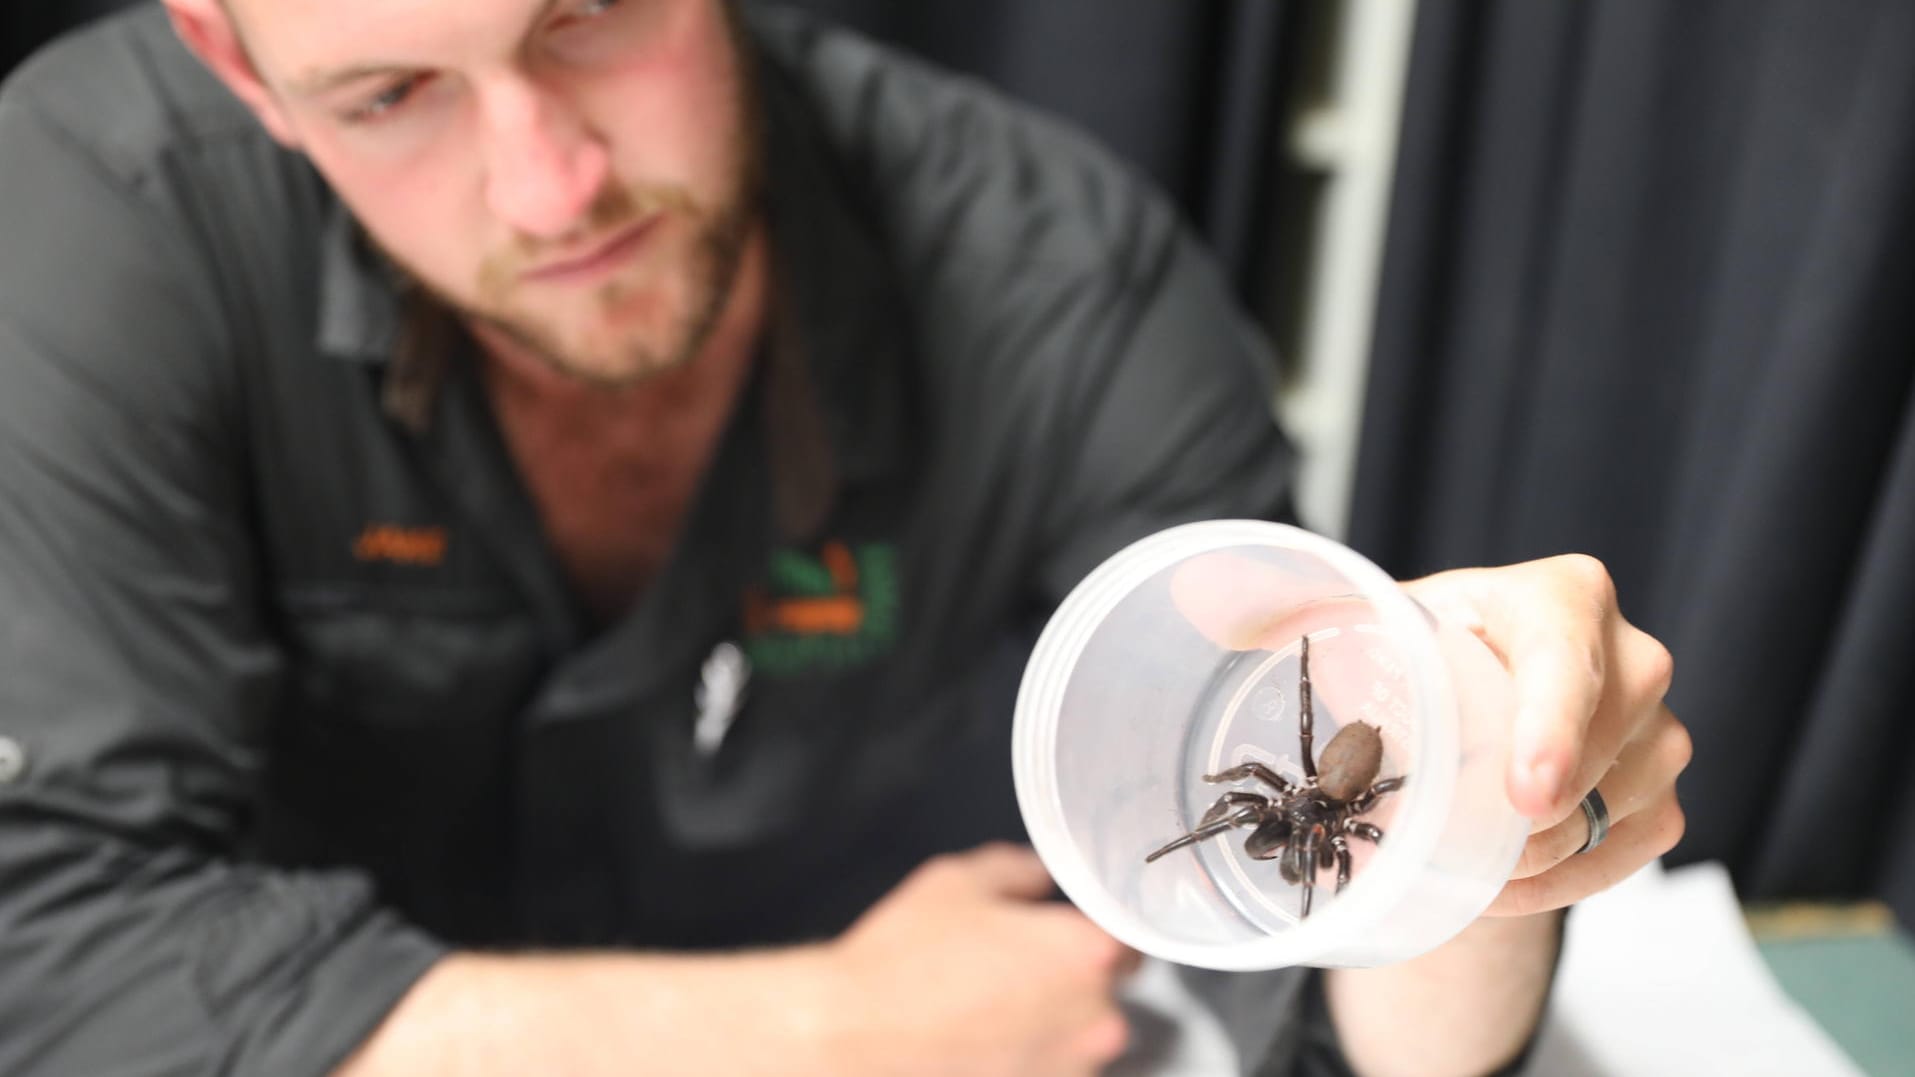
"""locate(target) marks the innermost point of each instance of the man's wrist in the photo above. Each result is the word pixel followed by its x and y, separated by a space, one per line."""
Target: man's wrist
pixel 611 1012
pixel 1469 1006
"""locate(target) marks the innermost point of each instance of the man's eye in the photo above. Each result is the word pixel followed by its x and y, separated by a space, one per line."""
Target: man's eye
pixel 591 30
pixel 587 9
pixel 385 101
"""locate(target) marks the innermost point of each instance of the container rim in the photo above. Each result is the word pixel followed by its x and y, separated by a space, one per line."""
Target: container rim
pixel 1333 936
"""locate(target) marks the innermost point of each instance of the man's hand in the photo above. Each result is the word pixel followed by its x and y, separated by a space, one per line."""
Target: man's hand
pixel 964 969
pixel 1589 689
pixel 1589 715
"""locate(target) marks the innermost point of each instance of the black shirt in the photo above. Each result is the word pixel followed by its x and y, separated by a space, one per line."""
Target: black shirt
pixel 298 692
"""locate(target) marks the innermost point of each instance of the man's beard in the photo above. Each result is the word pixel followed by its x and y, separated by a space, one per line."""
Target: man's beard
pixel 708 276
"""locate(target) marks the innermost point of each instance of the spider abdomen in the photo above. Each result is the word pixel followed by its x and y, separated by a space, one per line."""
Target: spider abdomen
pixel 1350 762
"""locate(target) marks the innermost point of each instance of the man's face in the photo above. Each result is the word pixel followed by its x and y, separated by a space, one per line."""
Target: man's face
pixel 576 174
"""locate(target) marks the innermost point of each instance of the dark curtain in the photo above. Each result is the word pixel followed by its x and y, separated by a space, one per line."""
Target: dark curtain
pixel 1188 91
pixel 1649 293
pixel 25 25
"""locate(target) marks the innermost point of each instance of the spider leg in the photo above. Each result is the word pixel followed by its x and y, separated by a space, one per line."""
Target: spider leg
pixel 1224 803
pixel 1369 831
pixel 1307 720
pixel 1270 838
pixel 1238 818
pixel 1253 770
pixel 1368 799
pixel 1287 860
pixel 1342 846
pixel 1308 875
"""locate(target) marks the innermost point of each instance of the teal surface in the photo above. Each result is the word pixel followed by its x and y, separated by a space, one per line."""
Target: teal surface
pixel 1861 989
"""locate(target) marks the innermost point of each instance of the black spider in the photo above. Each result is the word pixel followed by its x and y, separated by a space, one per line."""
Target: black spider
pixel 1306 827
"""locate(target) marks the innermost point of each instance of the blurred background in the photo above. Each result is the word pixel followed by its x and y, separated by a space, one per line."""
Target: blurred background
pixel 1634 278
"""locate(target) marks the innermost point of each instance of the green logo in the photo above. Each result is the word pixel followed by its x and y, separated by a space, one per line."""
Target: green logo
pixel 834 611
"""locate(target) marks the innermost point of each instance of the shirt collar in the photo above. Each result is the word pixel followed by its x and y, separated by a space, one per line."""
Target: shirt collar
pixel 359 296
pixel 839 349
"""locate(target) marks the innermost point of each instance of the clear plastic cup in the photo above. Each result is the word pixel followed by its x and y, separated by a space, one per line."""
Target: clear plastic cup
pixel 1180 657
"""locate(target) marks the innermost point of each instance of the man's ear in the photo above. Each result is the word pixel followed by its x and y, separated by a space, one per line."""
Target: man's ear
pixel 207 29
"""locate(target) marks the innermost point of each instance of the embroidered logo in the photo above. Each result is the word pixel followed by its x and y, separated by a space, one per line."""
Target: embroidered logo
pixel 390 543
pixel 834 611
pixel 721 691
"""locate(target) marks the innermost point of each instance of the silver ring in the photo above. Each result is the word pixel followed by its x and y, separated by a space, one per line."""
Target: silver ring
pixel 1597 815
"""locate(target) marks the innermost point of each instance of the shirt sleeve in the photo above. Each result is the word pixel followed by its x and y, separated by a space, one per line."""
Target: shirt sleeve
pixel 1178 422
pixel 137 669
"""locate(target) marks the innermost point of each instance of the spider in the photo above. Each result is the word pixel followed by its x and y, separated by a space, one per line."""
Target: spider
pixel 1307 826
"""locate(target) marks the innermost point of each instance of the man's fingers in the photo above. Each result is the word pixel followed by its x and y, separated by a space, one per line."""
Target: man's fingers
pixel 1553 637
pixel 1104 1040
pixel 1003 869
pixel 1637 677
pixel 1100 951
pixel 1632 843
pixel 1632 708
pixel 1644 771
pixel 1559 686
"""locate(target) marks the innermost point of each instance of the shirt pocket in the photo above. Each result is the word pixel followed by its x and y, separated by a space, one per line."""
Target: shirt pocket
pixel 392 750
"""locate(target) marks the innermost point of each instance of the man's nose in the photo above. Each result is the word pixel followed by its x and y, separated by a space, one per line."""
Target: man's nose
pixel 544 165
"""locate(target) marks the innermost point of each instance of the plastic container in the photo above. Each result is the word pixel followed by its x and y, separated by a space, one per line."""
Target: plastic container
pixel 1179 657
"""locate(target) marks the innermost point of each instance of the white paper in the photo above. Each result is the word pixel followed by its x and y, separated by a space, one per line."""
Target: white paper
pixel 1660 976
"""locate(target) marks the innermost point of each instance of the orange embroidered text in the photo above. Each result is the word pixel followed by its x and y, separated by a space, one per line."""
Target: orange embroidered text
pixel 401 545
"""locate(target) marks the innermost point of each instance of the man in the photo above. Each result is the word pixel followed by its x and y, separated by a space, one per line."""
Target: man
pixel 520 523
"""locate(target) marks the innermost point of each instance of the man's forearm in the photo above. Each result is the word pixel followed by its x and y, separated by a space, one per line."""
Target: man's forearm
pixel 1466 1007
pixel 608 1013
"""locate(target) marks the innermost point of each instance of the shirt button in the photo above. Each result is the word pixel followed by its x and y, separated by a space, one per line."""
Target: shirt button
pixel 13 760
